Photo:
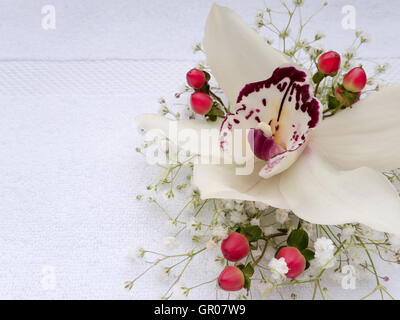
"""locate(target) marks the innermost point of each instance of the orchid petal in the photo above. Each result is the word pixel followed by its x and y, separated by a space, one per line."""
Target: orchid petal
pixel 284 109
pixel 221 182
pixel 368 134
pixel 189 135
pixel 236 53
pixel 320 193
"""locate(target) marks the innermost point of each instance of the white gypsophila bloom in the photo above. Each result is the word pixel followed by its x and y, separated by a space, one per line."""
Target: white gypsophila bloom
pixel 350 53
pixel 359 32
pixel 348 231
pixel 229 204
pixel 281 215
pixel 164 273
pixel 194 226
pixel 365 38
pixel 324 251
pixel 259 19
pixel 269 230
pixel 380 68
pixel 211 244
pixel 250 207
pixel 170 243
pixel 255 222
pixel 136 253
pixel 179 292
pixel 260 206
pixel 278 268
pixel 238 217
pixel 368 232
pixel 319 36
pixel 356 255
pixel 171 225
pixel 264 286
pixel 220 232
pixel 317 49
pixel 298 3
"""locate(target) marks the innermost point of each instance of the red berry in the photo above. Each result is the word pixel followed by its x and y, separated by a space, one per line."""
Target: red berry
pixel 338 96
pixel 201 103
pixel 195 78
pixel 355 80
pixel 294 260
pixel 231 279
pixel 235 247
pixel 329 62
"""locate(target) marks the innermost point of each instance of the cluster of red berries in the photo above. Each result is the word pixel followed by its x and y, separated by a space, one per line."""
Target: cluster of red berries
pixel 200 101
pixel 236 247
pixel 353 82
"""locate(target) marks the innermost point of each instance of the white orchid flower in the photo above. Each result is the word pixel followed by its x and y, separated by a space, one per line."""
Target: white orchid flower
pixel 326 172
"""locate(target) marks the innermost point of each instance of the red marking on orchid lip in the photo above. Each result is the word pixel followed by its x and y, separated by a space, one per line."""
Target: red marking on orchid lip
pixel 263 147
pixel 249 115
pixel 264 102
pixel 257 119
pixel 278 75
pixel 302 91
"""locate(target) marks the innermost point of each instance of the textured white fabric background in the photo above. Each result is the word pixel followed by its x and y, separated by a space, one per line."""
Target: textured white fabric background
pixel 69 172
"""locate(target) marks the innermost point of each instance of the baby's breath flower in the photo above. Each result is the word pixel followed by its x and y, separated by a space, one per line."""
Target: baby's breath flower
pixel 281 215
pixel 194 226
pixel 220 232
pixel 255 222
pixel 136 253
pixel 381 68
pixel 365 38
pixel 170 243
pixel 348 231
pixel 298 3
pixel 238 217
pixel 211 244
pixel 350 53
pixel 324 251
pixel 319 36
pixel 278 268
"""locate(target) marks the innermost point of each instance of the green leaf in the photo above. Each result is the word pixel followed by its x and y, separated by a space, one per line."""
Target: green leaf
pixel 298 239
pixel 307 265
pixel 317 78
pixel 308 254
pixel 332 103
pixel 248 270
pixel 247 282
pixel 208 76
pixel 252 233
pixel 216 110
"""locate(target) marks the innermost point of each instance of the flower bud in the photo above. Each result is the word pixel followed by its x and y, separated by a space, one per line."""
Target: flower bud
pixel 329 63
pixel 294 260
pixel 201 102
pixel 231 279
pixel 196 78
pixel 235 247
pixel 355 80
pixel 339 97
